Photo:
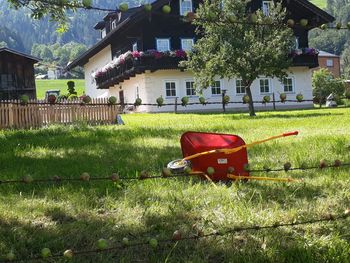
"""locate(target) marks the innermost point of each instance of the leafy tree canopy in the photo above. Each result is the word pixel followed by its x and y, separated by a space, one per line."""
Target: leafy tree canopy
pixel 245 50
pixel 324 83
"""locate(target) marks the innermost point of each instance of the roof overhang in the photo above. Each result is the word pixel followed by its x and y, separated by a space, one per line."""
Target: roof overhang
pixel 12 51
pixel 135 14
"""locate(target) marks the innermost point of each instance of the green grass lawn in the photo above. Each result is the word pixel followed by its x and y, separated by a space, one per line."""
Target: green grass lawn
pixel 42 85
pixel 76 215
pixel 320 3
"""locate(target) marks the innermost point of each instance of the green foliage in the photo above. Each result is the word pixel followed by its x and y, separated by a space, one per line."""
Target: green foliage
pixel 334 41
pixel 71 87
pixel 257 50
pixel 57 55
pixel 160 101
pixel 184 101
pixel 42 85
pixel 138 102
pixel 24 99
pixel 345 61
pixel 324 83
pixel 112 100
pixel 226 99
pixel 202 100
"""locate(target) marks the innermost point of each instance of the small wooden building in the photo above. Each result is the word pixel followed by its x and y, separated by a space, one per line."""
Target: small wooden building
pixel 16 74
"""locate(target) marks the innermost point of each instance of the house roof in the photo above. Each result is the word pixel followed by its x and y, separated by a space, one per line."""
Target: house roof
pixel 323 14
pixel 5 49
pixel 326 54
pixel 138 13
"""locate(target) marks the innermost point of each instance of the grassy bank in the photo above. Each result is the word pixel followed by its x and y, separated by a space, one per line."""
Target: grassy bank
pixel 75 215
pixel 320 3
pixel 42 85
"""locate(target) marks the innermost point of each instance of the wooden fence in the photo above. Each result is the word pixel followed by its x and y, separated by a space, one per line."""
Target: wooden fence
pixel 36 113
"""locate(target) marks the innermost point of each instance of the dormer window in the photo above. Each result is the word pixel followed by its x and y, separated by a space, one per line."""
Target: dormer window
pixel 185 7
pixel 114 24
pixel 103 33
pixel 163 44
pixel 266 7
pixel 134 46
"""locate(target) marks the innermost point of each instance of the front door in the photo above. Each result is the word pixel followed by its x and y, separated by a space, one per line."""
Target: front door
pixel 121 98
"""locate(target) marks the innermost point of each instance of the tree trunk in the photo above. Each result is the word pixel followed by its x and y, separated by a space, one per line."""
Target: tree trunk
pixel 251 103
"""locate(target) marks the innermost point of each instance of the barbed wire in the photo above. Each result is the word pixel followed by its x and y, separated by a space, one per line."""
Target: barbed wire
pixel 85 177
pixel 187 18
pixel 75 102
pixel 179 237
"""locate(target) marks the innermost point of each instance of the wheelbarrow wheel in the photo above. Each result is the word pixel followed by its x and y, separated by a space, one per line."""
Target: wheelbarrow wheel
pixel 178 166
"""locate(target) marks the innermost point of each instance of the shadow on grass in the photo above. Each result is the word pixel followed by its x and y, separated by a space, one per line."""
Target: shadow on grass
pixel 275 245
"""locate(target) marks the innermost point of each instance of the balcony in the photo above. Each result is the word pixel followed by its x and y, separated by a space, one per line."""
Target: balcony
pixel 131 63
pixel 305 57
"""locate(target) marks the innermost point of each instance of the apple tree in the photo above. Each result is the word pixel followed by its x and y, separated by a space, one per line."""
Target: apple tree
pixel 236 43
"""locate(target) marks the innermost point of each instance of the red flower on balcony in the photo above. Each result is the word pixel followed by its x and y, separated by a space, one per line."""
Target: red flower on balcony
pixel 136 54
pixel 180 53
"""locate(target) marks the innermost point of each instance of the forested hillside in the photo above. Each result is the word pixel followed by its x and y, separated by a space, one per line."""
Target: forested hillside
pixel 335 41
pixel 18 30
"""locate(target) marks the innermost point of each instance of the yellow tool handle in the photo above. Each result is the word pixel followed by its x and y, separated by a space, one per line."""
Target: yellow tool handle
pixel 233 150
pixel 239 177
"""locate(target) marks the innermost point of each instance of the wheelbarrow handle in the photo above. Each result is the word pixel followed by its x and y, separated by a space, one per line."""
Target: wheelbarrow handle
pixel 290 133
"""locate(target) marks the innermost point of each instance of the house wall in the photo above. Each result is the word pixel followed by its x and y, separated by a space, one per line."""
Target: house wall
pixel 96 62
pixel 335 69
pixel 131 88
pixel 16 76
pixel 152 85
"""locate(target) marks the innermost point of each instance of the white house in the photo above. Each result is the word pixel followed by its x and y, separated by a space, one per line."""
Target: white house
pixel 139 52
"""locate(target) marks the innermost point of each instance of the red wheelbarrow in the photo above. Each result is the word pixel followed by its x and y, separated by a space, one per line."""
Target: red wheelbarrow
pixel 218 157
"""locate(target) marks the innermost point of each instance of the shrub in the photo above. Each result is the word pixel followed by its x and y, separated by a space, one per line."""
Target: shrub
pixel 184 101
pixel 86 99
pixel 226 99
pixel 266 99
pixel 24 99
pixel 299 97
pixel 283 97
pixel 324 84
pixel 51 99
pixel 246 99
pixel 160 101
pixel 202 100
pixel 138 102
pixel 347 93
pixel 112 100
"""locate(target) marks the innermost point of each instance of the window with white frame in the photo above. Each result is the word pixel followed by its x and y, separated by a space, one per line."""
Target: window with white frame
pixel 185 7
pixel 187 44
pixel 134 46
pixel 114 24
pixel 264 86
pixel 240 88
pixel 288 85
pixel 216 88
pixel 296 43
pixel 266 7
pixel 190 88
pixel 163 44
pixel 329 62
pixel 170 88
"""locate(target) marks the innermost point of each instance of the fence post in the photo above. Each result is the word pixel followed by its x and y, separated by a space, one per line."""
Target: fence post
pixel 10 115
pixel 175 105
pixel 273 101
pixel 223 100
